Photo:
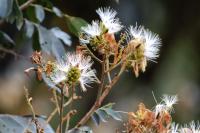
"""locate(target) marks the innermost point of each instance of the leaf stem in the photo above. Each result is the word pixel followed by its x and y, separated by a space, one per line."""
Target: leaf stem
pixel 26 4
pixel 96 58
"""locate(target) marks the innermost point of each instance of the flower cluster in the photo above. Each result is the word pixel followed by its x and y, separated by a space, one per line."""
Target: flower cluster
pixel 141 44
pixel 134 48
pixel 100 34
pixel 159 120
pixel 72 69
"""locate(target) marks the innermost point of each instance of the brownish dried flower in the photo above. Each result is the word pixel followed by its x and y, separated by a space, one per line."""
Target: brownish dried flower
pixel 145 121
pixel 36 57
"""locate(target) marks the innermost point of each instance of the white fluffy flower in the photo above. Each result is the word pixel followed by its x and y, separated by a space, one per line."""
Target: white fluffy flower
pixel 108 17
pixel 166 104
pixel 169 101
pixel 135 32
pixel 54 78
pixel 90 31
pixel 57 76
pixel 174 128
pixel 159 108
pixel 150 41
pixel 195 127
pixel 78 68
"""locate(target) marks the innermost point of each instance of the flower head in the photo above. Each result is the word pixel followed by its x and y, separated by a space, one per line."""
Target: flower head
pixel 135 32
pixel 152 44
pixel 159 108
pixel 90 31
pixel 101 34
pixel 142 46
pixel 143 37
pixel 166 105
pixel 169 101
pixel 77 69
pixel 195 127
pixel 174 128
pixel 109 20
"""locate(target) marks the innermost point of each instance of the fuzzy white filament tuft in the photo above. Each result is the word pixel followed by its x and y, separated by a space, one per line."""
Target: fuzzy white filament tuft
pixel 169 101
pixel 77 68
pixel 90 31
pixel 150 41
pixel 108 18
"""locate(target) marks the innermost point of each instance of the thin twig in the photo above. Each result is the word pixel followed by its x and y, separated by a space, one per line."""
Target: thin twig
pixel 56 100
pixel 96 58
pixel 16 55
pixel 56 110
pixel 69 115
pixel 51 11
pixel 29 100
pixel 70 108
pixel 61 109
pixel 114 66
pixel 100 89
pixel 67 118
pixel 26 4
pixel 107 68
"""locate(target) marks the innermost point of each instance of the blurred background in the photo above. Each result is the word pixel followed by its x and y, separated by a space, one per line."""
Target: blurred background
pixel 176 72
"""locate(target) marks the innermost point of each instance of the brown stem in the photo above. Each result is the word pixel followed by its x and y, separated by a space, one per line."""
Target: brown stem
pixel 16 55
pixel 101 98
pixel 56 110
pixel 107 68
pixel 100 89
pixel 96 58
pixel 56 100
pixel 61 109
pixel 29 100
pixel 68 117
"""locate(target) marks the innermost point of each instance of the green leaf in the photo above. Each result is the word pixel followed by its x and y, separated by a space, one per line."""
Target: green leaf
pixel 57 12
pixel 83 129
pixel 40 14
pixel 5 39
pixel 102 115
pixel 115 115
pixel 95 118
pixel 29 28
pixel 20 124
pixel 16 15
pixel 109 105
pixel 50 83
pixel 49 43
pixel 35 41
pixel 75 24
pixel 105 112
pixel 30 14
pixel 6 7
pixel 62 35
